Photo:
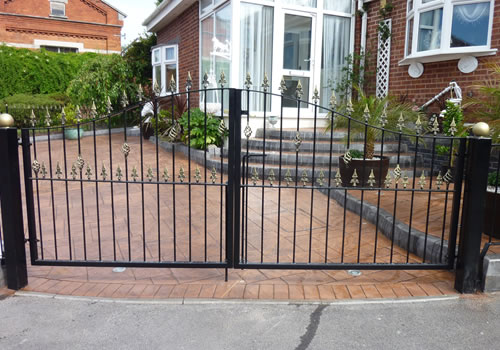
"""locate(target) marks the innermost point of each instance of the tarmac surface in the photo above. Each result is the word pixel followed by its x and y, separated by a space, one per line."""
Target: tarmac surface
pixel 61 322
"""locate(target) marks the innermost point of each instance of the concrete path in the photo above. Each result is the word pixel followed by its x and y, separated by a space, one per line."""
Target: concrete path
pixel 433 323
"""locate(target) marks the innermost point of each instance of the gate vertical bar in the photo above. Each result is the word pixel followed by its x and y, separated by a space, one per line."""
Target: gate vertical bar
pixel 457 201
pixel 234 179
pixel 467 274
pixel 28 187
pixel 12 210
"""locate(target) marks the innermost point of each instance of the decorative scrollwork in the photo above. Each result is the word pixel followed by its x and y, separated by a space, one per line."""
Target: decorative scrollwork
pixel 173 131
pixel 271 178
pixel 58 170
pixel 299 92
pixel 383 117
pixel 288 177
pixel 205 83
pixel 406 180
pixel 354 179
pixel 156 88
pixel 297 141
pixel 265 83
pixel 93 110
pixel 182 175
pixel 248 81
pixel 371 179
pixel 73 172
pixel 435 127
pixel 347 157
pixel 134 175
pixel 222 128
pixel 321 179
pixel 109 106
pixel 36 167
pixel 88 172
pixel 397 173
pixel 126 149
pixel 282 87
pixel 197 175
pixel 43 171
pixel 388 180
pixel 333 100
pixel 63 116
pixel 150 174
pixel 166 175
pixel 47 118
pixel 338 179
pixel 78 115
pixel 304 179
pixel 80 163
pixel 140 93
pixel 366 114
pixel 349 107
pixel 33 118
pixel 124 102
pixel 448 177
pixel 315 96
pixel 173 85
pixel 422 180
pixel 213 175
pixel 222 80
pixel 119 173
pixel 248 131
pixel 104 172
pixel 255 176
pixel 401 122
pixel 189 82
pixel 453 127
pixel 439 181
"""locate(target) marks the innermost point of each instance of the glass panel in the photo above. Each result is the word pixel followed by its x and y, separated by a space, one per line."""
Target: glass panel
pixel 429 30
pixel 171 71
pixel 297 46
pixel 170 54
pixel 410 5
pixel 57 9
pixel 156 56
pixel 207 33
pixel 409 39
pixel 336 47
pixel 205 4
pixel 470 25
pixel 157 76
pixel 339 5
pixel 308 3
pixel 256 41
pixel 291 88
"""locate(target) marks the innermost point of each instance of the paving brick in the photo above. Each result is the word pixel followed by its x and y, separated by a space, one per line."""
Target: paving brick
pixel 251 291
pixel 356 292
pixel 266 291
pixel 280 291
pixel 311 292
pixel 326 292
pixel 371 291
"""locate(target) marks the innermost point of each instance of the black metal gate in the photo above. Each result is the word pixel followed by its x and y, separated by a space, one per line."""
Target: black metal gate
pixel 282 192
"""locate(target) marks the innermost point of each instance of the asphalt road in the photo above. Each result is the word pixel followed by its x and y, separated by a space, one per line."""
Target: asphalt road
pixel 48 323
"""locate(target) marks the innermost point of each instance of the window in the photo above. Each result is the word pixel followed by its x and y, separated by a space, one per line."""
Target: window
pixel 256 42
pixel 208 5
pixel 216 51
pixel 447 27
pixel 307 3
pixel 57 9
pixel 59 49
pixel 165 63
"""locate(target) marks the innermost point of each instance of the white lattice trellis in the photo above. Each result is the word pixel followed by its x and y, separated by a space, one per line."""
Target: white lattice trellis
pixel 383 62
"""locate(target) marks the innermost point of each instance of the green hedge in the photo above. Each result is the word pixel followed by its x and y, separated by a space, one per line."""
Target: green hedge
pixel 34 72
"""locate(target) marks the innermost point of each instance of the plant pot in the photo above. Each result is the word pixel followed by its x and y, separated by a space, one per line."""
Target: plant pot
pixel 147 131
pixel 73 134
pixel 380 169
pixel 492 214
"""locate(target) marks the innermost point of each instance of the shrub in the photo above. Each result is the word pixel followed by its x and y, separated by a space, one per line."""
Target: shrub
pixel 102 77
pixel 38 71
pixel 493 179
pixel 21 105
pixel 196 137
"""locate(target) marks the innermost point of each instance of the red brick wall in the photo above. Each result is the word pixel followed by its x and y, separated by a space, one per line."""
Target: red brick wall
pixel 185 31
pixel 437 75
pixel 23 30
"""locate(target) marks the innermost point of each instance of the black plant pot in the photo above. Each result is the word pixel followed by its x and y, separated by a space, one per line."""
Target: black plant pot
pixel 147 131
pixel 363 168
pixel 492 214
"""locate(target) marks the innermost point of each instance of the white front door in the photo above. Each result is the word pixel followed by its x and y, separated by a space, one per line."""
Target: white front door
pixel 298 55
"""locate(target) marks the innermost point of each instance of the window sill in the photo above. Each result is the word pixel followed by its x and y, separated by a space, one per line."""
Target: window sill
pixel 441 57
pixel 55 16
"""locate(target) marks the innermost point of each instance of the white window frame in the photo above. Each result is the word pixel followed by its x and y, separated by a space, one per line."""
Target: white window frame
pixel 58 3
pixel 163 62
pixel 445 52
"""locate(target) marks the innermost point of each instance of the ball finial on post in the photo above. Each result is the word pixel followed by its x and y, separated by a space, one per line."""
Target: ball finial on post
pixel 481 129
pixel 6 121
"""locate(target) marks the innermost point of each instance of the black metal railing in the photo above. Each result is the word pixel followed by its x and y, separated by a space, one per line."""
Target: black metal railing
pixel 492 221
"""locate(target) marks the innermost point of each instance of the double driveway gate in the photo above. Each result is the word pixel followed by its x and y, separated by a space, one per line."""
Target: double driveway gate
pixel 274 191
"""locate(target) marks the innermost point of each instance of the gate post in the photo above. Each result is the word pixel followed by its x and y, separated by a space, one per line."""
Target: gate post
pixel 476 181
pixel 234 179
pixel 11 206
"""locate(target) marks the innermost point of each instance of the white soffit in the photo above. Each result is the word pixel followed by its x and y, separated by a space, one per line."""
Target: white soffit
pixel 165 13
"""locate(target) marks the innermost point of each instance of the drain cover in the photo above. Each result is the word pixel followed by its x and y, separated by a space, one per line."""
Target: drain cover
pixel 354 272
pixel 119 269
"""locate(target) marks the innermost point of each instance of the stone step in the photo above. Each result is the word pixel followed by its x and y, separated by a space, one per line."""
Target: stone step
pixel 321 146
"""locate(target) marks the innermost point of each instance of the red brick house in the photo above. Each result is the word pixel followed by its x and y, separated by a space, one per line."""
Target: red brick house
pixel 61 25
pixel 433 42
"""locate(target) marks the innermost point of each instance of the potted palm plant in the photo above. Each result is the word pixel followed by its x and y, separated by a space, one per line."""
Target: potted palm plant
pixel 369 115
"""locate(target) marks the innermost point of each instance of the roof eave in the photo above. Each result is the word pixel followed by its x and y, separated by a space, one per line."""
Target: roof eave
pixel 165 13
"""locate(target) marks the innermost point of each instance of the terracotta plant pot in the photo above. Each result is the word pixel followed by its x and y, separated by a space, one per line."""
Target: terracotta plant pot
pixel 380 168
pixel 492 214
